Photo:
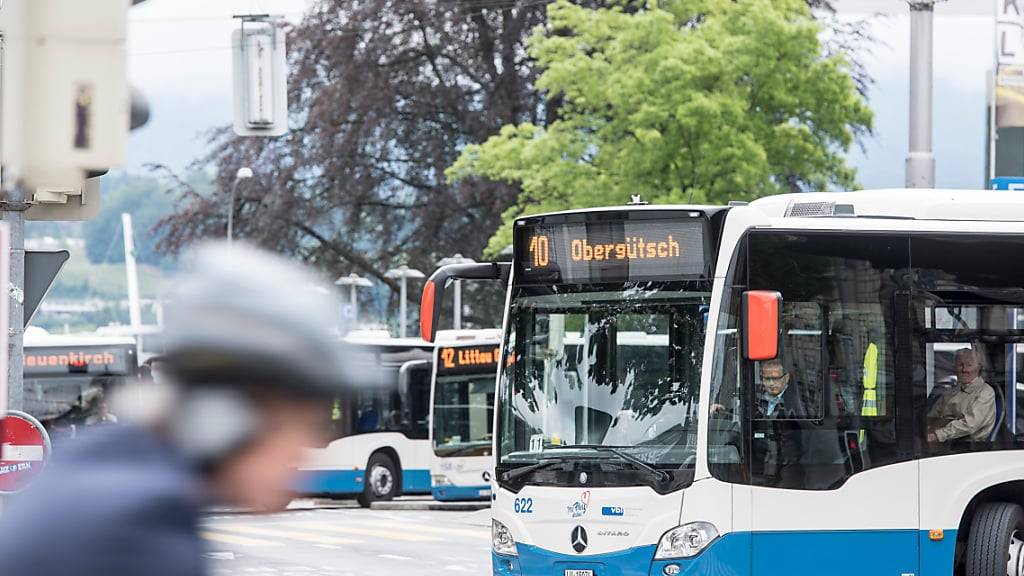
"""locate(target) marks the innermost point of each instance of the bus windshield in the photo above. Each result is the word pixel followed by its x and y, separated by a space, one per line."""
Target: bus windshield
pixel 618 367
pixel 463 410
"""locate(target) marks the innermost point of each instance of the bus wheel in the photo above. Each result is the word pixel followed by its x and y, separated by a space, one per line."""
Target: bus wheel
pixel 996 544
pixel 381 480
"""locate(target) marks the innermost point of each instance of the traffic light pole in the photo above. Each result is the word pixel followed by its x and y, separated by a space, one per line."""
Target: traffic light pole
pixel 14 215
pixel 13 208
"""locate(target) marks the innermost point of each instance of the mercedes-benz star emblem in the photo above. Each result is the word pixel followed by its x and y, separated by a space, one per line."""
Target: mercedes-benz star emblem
pixel 583 477
pixel 579 539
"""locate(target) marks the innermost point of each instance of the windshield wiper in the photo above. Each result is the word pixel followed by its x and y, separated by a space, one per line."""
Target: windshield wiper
pixel 465 449
pixel 513 475
pixel 659 475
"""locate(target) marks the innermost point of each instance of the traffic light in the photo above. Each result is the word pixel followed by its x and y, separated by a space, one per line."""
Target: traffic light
pixel 67 107
pixel 260 70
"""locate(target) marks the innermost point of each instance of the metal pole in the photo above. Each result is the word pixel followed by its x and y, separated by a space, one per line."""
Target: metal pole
pixel 132 277
pixel 402 309
pixel 457 312
pixel 14 215
pixel 920 160
pixel 231 211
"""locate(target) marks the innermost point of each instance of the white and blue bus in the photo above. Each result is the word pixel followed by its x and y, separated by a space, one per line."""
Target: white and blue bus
pixel 667 463
pixel 462 414
pixel 379 446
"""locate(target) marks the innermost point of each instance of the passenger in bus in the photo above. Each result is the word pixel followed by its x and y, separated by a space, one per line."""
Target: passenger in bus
pixel 968 412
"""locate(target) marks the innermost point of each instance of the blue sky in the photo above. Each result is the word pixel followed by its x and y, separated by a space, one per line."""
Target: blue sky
pixel 179 57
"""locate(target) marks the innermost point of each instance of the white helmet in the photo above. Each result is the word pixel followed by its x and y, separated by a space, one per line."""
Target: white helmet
pixel 242 317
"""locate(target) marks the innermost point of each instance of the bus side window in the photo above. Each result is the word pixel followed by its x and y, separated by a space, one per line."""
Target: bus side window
pixel 823 411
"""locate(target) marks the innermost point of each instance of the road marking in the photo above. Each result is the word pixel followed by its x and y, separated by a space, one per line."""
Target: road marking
pixel 328 546
pixel 388 534
pixel 393 557
pixel 482 534
pixel 289 534
pixel 238 540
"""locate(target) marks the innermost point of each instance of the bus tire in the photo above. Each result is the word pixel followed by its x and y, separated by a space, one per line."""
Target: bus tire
pixel 381 480
pixel 996 542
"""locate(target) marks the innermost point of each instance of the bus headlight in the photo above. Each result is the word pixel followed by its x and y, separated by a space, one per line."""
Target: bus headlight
pixel 501 539
pixel 686 541
pixel 440 480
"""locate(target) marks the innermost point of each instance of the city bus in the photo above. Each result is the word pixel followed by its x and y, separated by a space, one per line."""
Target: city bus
pixel 848 309
pixel 379 446
pixel 68 378
pixel 462 414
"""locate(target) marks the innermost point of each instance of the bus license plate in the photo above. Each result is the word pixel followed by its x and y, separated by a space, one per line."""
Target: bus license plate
pixel 579 572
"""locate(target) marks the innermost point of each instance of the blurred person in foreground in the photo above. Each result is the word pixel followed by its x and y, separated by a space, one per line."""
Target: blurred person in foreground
pixel 250 360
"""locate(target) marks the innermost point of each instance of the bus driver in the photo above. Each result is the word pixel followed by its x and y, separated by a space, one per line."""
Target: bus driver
pixel 969 411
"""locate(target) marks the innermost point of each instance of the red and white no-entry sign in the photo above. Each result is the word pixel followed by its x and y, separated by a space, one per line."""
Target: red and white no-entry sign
pixel 24 450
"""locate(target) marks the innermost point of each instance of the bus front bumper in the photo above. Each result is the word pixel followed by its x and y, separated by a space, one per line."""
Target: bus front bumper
pixel 727 556
pixel 454 493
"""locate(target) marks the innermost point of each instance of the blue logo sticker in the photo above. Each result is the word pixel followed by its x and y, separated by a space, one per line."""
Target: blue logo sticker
pixel 612 511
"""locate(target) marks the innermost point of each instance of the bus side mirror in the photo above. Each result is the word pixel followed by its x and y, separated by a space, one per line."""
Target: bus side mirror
pixel 761 329
pixel 433 291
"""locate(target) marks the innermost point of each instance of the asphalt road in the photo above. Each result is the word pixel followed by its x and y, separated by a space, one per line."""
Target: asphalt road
pixel 349 541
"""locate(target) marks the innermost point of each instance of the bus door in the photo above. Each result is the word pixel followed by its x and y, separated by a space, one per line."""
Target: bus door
pixel 833 488
pixel 414 390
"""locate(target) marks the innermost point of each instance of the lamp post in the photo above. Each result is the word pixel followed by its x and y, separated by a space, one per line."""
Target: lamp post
pixel 243 173
pixel 354 283
pixel 920 159
pixel 403 273
pixel 457 292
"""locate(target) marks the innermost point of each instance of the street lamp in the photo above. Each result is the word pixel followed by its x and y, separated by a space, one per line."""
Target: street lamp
pixel 457 292
pixel 243 173
pixel 354 283
pixel 920 158
pixel 403 273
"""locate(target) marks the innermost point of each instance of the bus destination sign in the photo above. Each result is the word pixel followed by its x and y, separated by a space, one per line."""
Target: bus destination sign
pixel 612 251
pixel 71 360
pixel 467 359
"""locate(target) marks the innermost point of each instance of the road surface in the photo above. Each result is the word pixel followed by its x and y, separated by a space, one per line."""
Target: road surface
pixel 349 541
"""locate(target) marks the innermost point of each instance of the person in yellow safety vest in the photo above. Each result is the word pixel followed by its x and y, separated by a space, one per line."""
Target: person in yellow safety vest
pixel 869 404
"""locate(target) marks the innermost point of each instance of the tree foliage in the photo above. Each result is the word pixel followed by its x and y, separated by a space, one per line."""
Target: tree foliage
pixel 683 101
pixel 384 94
pixel 148 203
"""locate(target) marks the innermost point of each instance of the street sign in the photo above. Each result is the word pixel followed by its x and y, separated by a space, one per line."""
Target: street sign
pixel 1012 183
pixel 41 269
pixel 24 450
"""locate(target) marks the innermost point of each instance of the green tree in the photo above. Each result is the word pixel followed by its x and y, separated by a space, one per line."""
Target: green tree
pixel 147 200
pixel 685 101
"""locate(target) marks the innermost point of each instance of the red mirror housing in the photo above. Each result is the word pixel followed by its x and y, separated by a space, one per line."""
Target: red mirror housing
pixel 433 291
pixel 427 312
pixel 761 329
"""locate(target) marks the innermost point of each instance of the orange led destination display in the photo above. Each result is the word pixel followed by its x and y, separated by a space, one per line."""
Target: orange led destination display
pixel 70 359
pixel 613 251
pixel 468 359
